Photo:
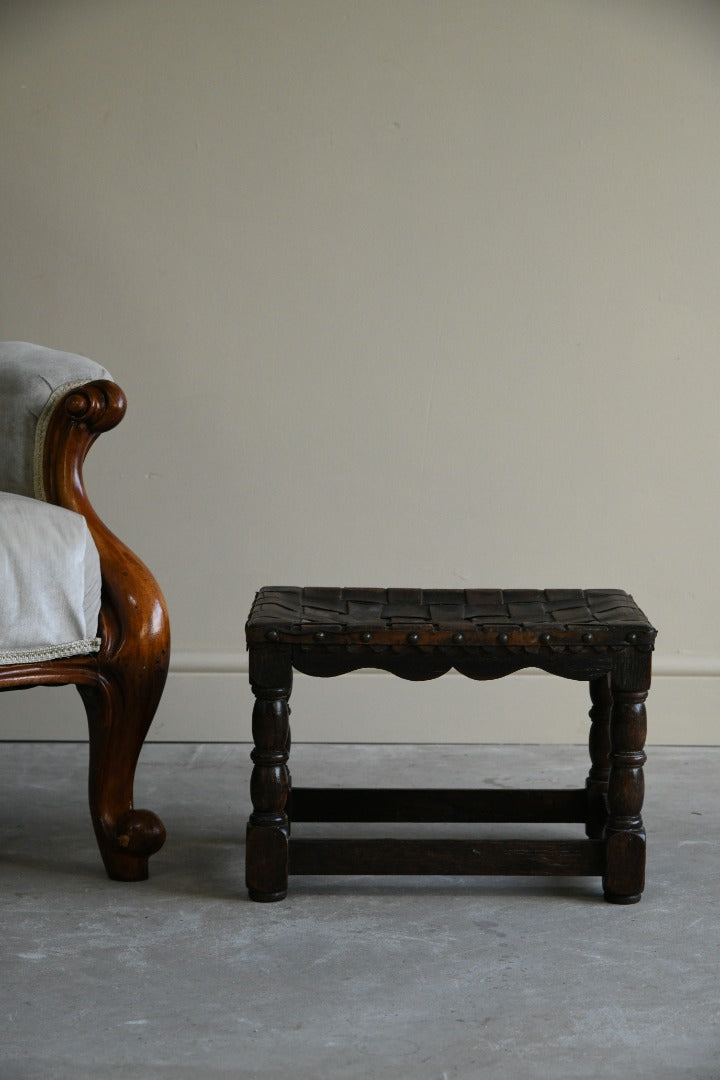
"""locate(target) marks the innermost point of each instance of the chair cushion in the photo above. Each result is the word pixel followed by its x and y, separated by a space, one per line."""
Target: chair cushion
pixel 49 582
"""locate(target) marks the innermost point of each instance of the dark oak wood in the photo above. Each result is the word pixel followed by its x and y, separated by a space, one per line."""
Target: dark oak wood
pixel 624 831
pixel 599 636
pixel 122 684
pixel 268 828
pixel 434 804
pixel 442 857
pixel 599 747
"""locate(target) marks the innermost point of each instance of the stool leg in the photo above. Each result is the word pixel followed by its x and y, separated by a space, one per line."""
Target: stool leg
pixel 624 832
pixel 599 746
pixel 266 853
pixel 288 803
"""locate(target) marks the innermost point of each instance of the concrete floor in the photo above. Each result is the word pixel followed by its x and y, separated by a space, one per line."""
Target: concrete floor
pixel 430 979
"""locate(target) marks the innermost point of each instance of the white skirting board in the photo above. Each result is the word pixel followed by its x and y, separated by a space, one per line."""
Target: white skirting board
pixel 208 699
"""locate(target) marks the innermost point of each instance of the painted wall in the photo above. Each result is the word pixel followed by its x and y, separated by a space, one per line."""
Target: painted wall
pixel 400 292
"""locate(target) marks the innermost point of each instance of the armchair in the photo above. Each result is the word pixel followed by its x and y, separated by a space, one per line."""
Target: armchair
pixel 76 605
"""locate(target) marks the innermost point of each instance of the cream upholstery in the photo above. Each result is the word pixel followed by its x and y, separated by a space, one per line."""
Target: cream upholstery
pixel 50 581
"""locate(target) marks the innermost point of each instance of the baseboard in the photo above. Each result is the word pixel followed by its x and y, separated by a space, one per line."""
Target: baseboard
pixel 207 699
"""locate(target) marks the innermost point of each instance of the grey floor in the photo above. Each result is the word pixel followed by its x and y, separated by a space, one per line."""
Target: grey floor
pixel 181 976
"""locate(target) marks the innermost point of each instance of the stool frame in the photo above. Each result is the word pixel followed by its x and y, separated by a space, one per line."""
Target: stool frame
pixel 420 635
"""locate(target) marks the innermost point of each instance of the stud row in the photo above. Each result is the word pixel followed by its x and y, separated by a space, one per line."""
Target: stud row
pixel 413 638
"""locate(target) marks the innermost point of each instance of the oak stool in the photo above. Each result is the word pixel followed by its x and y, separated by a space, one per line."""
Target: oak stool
pixel 599 636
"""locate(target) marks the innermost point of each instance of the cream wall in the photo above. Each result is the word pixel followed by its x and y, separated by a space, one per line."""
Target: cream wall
pixel 400 292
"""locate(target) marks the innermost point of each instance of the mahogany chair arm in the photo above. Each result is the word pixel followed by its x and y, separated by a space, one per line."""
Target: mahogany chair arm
pixel 134 630
pixel 133 614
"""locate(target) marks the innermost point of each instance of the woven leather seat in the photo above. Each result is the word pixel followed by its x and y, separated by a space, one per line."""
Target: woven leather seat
pixel 479 614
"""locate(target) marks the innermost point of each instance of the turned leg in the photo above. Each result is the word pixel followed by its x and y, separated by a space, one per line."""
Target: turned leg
pixel 624 832
pixel 266 858
pixel 120 708
pixel 288 804
pixel 599 746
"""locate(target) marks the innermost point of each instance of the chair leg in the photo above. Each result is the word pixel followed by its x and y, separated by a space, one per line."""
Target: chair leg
pixel 120 708
pixel 121 692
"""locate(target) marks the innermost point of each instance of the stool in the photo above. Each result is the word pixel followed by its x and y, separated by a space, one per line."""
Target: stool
pixel 599 636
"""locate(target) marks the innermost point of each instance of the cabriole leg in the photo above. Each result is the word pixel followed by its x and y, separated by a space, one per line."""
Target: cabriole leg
pixel 120 708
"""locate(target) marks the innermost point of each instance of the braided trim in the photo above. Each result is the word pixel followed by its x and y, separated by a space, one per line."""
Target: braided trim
pixel 50 652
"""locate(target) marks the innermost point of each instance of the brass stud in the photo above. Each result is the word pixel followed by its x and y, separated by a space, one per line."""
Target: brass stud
pixel 503 639
pixel 458 639
pixel 632 638
pixel 413 639
pixel 272 635
pixel 588 639
pixel 366 637
pixel 319 635
pixel 545 639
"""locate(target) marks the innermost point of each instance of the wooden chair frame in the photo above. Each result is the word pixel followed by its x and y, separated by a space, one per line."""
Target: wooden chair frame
pixel 122 684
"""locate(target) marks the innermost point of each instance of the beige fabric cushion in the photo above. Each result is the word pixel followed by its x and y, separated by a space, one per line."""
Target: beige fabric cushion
pixel 49 582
